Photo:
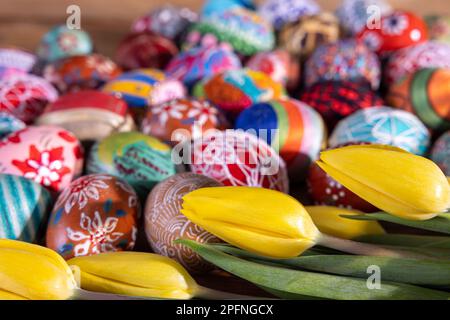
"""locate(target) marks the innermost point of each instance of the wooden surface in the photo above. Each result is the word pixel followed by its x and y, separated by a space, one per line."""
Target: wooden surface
pixel 23 22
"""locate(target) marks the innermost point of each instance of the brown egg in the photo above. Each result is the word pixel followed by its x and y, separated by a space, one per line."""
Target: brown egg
pixel 96 213
pixel 164 222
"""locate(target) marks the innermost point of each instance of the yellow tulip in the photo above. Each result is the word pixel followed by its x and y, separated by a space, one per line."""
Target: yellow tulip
pixel 29 271
pixel 260 220
pixel 329 220
pixel 398 182
pixel 134 274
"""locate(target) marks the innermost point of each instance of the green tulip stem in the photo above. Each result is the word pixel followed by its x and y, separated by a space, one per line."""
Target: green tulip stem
pixel 366 249
pixel 211 294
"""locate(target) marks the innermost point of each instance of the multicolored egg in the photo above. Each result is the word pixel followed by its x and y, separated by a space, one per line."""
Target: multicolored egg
pixel 396 30
pixel 344 60
pixel 213 6
pixel 291 127
pixel 276 64
pixel 383 125
pixel 25 96
pixel 81 72
pixel 164 223
pixel 48 155
pixel 324 190
pixel 302 37
pixel 440 153
pixel 181 119
pixel 429 54
pixel 237 158
pixel 89 114
pixel 336 100
pixel 236 90
pixel 202 62
pixel 9 124
pixel 24 206
pixel 355 14
pixel 439 28
pixel 279 13
pixel 139 159
pixel 96 213
pixel 425 93
pixel 62 42
pixel 145 50
pixel 14 60
pixel 243 29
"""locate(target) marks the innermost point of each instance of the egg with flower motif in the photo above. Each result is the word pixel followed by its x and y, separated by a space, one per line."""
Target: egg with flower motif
pixel 276 64
pixel 238 158
pixel 141 160
pixel 9 124
pixel 49 155
pixel 397 30
pixel 96 213
pixel 25 96
pixel 62 42
pixel 81 72
pixel 181 119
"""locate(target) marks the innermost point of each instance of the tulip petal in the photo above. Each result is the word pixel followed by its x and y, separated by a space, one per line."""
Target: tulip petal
pixel 6 295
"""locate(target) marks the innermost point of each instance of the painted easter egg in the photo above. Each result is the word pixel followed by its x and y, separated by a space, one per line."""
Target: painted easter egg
pixel 197 63
pixel 168 20
pixel 90 115
pixel 96 213
pixel 396 30
pixel 81 72
pixel 144 87
pixel 238 158
pixel 164 223
pixel 324 190
pixel 139 159
pixel 354 14
pixel 236 90
pixel 276 64
pixel 181 119
pixel 24 206
pixel 145 50
pixel 9 124
pixel 440 153
pixel 25 96
pixel 14 60
pixel 292 128
pixel 425 93
pixel 383 125
pixel 344 60
pixel 49 155
pixel 62 42
pixel 279 13
pixel 246 31
pixel 408 60
pixel 439 28
pixel 302 37
pixel 336 100
pixel 213 6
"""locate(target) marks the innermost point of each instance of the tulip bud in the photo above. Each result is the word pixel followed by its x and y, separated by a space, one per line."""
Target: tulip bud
pixel 329 220
pixel 28 271
pixel 398 182
pixel 259 220
pixel 134 274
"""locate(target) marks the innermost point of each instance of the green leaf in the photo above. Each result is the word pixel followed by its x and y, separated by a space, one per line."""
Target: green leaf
pixel 309 283
pixel 407 240
pixel 440 223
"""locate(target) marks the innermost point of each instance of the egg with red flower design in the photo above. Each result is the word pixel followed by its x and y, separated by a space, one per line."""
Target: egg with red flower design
pixel 96 213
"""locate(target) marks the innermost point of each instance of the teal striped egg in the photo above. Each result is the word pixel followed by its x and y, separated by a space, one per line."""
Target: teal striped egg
pixel 24 205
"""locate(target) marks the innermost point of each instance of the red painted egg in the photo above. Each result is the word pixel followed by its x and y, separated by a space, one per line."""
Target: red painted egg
pixel 96 213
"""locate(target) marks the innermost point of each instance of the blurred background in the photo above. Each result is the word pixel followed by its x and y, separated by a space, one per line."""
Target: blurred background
pixel 23 22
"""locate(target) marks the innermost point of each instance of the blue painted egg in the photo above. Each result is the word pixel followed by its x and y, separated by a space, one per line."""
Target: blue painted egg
pixel 9 124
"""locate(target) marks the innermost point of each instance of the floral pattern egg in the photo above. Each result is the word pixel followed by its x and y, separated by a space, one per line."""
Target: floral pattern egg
pixel 141 160
pixel 62 42
pixel 440 153
pixel 24 206
pixel 25 96
pixel 94 214
pixel 182 119
pixel 164 222
pixel 238 158
pixel 398 29
pixel 49 155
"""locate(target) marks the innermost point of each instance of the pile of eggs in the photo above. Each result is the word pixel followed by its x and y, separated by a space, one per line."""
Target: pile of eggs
pixel 97 152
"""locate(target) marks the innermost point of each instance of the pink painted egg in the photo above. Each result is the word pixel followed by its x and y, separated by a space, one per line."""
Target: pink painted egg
pixel 94 214
pixel 49 155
